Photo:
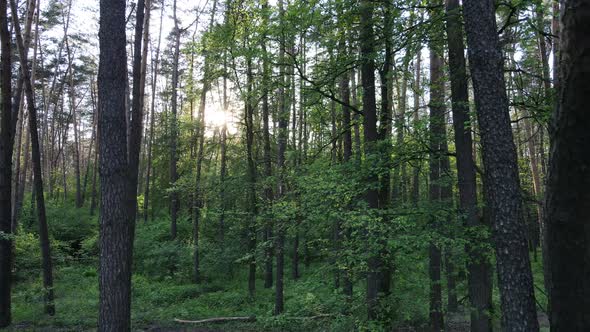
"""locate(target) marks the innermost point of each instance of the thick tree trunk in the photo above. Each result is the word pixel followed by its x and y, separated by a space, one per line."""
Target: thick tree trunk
pixel 117 223
pixel 375 262
pixel 500 167
pixel 478 266
pixel 567 209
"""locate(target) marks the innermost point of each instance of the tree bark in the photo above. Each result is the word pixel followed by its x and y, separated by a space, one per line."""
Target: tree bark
pixel 6 142
pixel 478 266
pixel 567 209
pixel 500 167
pixel 117 223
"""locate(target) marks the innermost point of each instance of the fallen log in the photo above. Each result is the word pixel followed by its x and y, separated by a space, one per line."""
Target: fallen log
pixel 218 320
pixel 242 319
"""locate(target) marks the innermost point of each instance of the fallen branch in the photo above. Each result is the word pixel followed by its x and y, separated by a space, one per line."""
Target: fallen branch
pixel 312 317
pixel 218 320
pixel 243 319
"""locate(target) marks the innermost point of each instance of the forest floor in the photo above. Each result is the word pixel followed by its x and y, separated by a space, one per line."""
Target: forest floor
pixel 157 303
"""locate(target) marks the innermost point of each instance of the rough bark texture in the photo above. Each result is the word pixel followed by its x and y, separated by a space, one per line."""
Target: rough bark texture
pixel 375 262
pixel 478 267
pixel 568 194
pixel 116 209
pixel 6 139
pixel 500 167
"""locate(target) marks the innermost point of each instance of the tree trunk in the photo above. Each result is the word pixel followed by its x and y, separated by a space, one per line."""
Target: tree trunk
pixel 375 262
pixel 268 192
pixel 36 154
pixel 283 119
pixel 155 64
pixel 478 266
pixel 6 142
pixel 567 209
pixel 174 203
pixel 117 223
pixel 437 139
pixel 500 167
pixel 142 21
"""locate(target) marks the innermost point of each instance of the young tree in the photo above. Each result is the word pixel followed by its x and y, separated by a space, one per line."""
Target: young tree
pixel 501 171
pixel 117 222
pixel 567 209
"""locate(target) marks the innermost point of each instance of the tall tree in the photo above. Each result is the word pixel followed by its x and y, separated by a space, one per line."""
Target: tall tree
pixel 6 139
pixel 478 267
pixel 155 65
pixel 174 199
pixel 117 222
pixel 283 118
pixel 375 263
pixel 501 170
pixel 567 209
pixel 37 172
pixel 142 20
pixel 436 179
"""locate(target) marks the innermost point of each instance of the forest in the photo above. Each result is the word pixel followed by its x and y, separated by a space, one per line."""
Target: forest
pixel 295 165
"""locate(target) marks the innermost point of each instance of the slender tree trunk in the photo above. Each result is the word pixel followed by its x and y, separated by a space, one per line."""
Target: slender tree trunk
pixel 140 48
pixel 268 192
pixel 174 203
pixel 283 119
pixel 437 137
pixel 567 209
pixel 478 266
pixel 36 154
pixel 6 140
pixel 500 167
pixel 416 171
pixel 155 64
pixel 347 155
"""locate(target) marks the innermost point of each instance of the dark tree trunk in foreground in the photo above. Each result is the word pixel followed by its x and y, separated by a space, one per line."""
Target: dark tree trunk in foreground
pixel 37 172
pixel 375 262
pixel 116 210
pixel 568 185
pixel 6 140
pixel 500 166
pixel 478 267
